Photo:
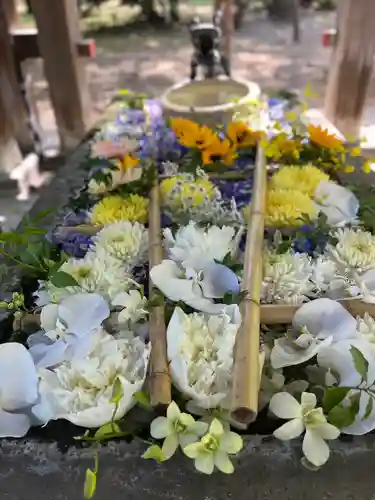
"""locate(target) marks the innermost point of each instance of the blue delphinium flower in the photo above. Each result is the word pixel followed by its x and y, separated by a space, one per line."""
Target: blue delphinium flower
pixel 75 218
pixel 239 190
pixel 74 244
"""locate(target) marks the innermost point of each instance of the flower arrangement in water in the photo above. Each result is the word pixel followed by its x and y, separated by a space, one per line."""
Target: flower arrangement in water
pixel 88 361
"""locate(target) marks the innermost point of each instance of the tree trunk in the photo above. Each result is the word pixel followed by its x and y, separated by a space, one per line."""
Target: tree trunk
pixel 351 66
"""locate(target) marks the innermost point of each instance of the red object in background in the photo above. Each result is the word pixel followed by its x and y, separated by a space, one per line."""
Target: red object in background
pixel 91 48
pixel 329 38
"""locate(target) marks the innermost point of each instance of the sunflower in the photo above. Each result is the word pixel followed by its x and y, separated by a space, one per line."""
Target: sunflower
pixel 242 136
pixel 288 207
pixel 201 139
pixel 321 137
pixel 219 151
pixel 183 127
pixel 305 179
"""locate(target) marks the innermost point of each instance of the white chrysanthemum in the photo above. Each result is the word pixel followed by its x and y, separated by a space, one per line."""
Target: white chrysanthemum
pixel 133 306
pixel 200 352
pixel 366 329
pixel 124 241
pixel 81 390
pixel 328 280
pixel 287 278
pixel 355 249
pixel 97 273
pixel 194 246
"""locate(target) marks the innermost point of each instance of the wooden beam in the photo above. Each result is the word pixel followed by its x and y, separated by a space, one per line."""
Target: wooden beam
pixel 58 33
pixel 11 93
pixel 351 66
pixel 25 43
pixel 10 7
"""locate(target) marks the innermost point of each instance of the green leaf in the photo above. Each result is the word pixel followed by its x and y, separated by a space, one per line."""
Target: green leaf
pixel 143 400
pixel 32 230
pixel 9 237
pixel 90 485
pixel 106 430
pixel 354 403
pixel 62 280
pixel 3 304
pixel 369 408
pixel 360 362
pixel 117 392
pixel 154 452
pixel 341 416
pixel 333 396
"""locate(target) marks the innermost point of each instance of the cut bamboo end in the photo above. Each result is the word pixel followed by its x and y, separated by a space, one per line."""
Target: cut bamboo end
pixel 159 377
pixel 246 357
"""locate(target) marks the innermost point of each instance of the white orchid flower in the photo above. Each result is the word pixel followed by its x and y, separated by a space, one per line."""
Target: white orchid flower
pixel 70 329
pixel 321 321
pixel 304 416
pixel 177 429
pixel 195 247
pixel 183 285
pixel 339 204
pixel 200 353
pixel 339 359
pixel 81 390
pixel 133 306
pixel 18 389
pixel 213 449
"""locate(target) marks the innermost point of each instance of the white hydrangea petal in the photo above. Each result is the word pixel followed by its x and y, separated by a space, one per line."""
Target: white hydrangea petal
pixel 284 405
pixel 160 428
pixel 338 203
pixel 18 377
pixel 48 355
pixel 315 448
pixel 324 318
pixel 13 425
pixel 223 463
pixel 48 317
pixel 83 312
pixel 283 354
pixel 205 463
pixel 290 430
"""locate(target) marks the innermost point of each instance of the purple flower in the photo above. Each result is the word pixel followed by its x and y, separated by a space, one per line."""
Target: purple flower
pixel 74 244
pixel 239 190
pixel 75 218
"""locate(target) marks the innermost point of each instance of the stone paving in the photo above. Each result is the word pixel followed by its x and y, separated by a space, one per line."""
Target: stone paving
pixel 152 60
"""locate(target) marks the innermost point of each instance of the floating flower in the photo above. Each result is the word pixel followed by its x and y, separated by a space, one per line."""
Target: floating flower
pixel 219 151
pixel 113 149
pixel 213 449
pixel 242 136
pixel 177 429
pixel 81 390
pixel 339 359
pixel 113 209
pixel 70 329
pixel 322 138
pixel 124 241
pixel 18 389
pixel 97 272
pixel 178 284
pixel 200 138
pixel 286 278
pixel 287 207
pixel 183 127
pixel 355 248
pixel 339 204
pixel 133 306
pixel 305 179
pixel 183 191
pixel 200 354
pixel 304 416
pixel 195 247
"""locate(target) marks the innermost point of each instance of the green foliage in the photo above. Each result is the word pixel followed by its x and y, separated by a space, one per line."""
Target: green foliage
pixel 154 452
pixel 360 362
pixel 143 400
pixel 117 392
pixel 90 484
pixel 333 396
pixel 60 279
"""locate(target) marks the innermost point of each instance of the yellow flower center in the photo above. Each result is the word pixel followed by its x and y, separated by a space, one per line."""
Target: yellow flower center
pixel 210 442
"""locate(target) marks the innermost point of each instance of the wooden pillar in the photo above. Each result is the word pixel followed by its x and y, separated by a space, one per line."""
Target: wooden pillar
pixel 351 66
pixel 228 28
pixel 14 110
pixel 11 12
pixel 58 33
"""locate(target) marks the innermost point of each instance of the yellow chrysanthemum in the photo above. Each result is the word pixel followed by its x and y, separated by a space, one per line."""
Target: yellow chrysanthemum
pixel 288 207
pixel 113 209
pixel 242 136
pixel 321 137
pixel 280 146
pixel 179 191
pixel 305 179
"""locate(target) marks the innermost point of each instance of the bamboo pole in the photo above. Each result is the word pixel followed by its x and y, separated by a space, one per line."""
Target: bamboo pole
pixel 246 377
pixel 159 378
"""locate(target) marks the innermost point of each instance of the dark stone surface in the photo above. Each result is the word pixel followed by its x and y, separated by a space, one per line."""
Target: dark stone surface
pixel 265 470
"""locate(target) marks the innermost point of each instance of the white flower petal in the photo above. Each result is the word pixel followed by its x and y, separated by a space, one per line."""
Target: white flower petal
pixel 205 463
pixel 284 354
pixel 290 430
pixel 13 424
pixel 193 450
pixel 46 356
pixel 231 442
pixel 173 412
pixel 223 463
pixel 339 204
pixel 308 401
pixel 161 427
pixel 315 448
pixel 324 318
pixel 48 317
pixel 186 439
pixel 170 446
pixel 18 377
pixel 284 405
pixel 327 431
pixel 83 312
